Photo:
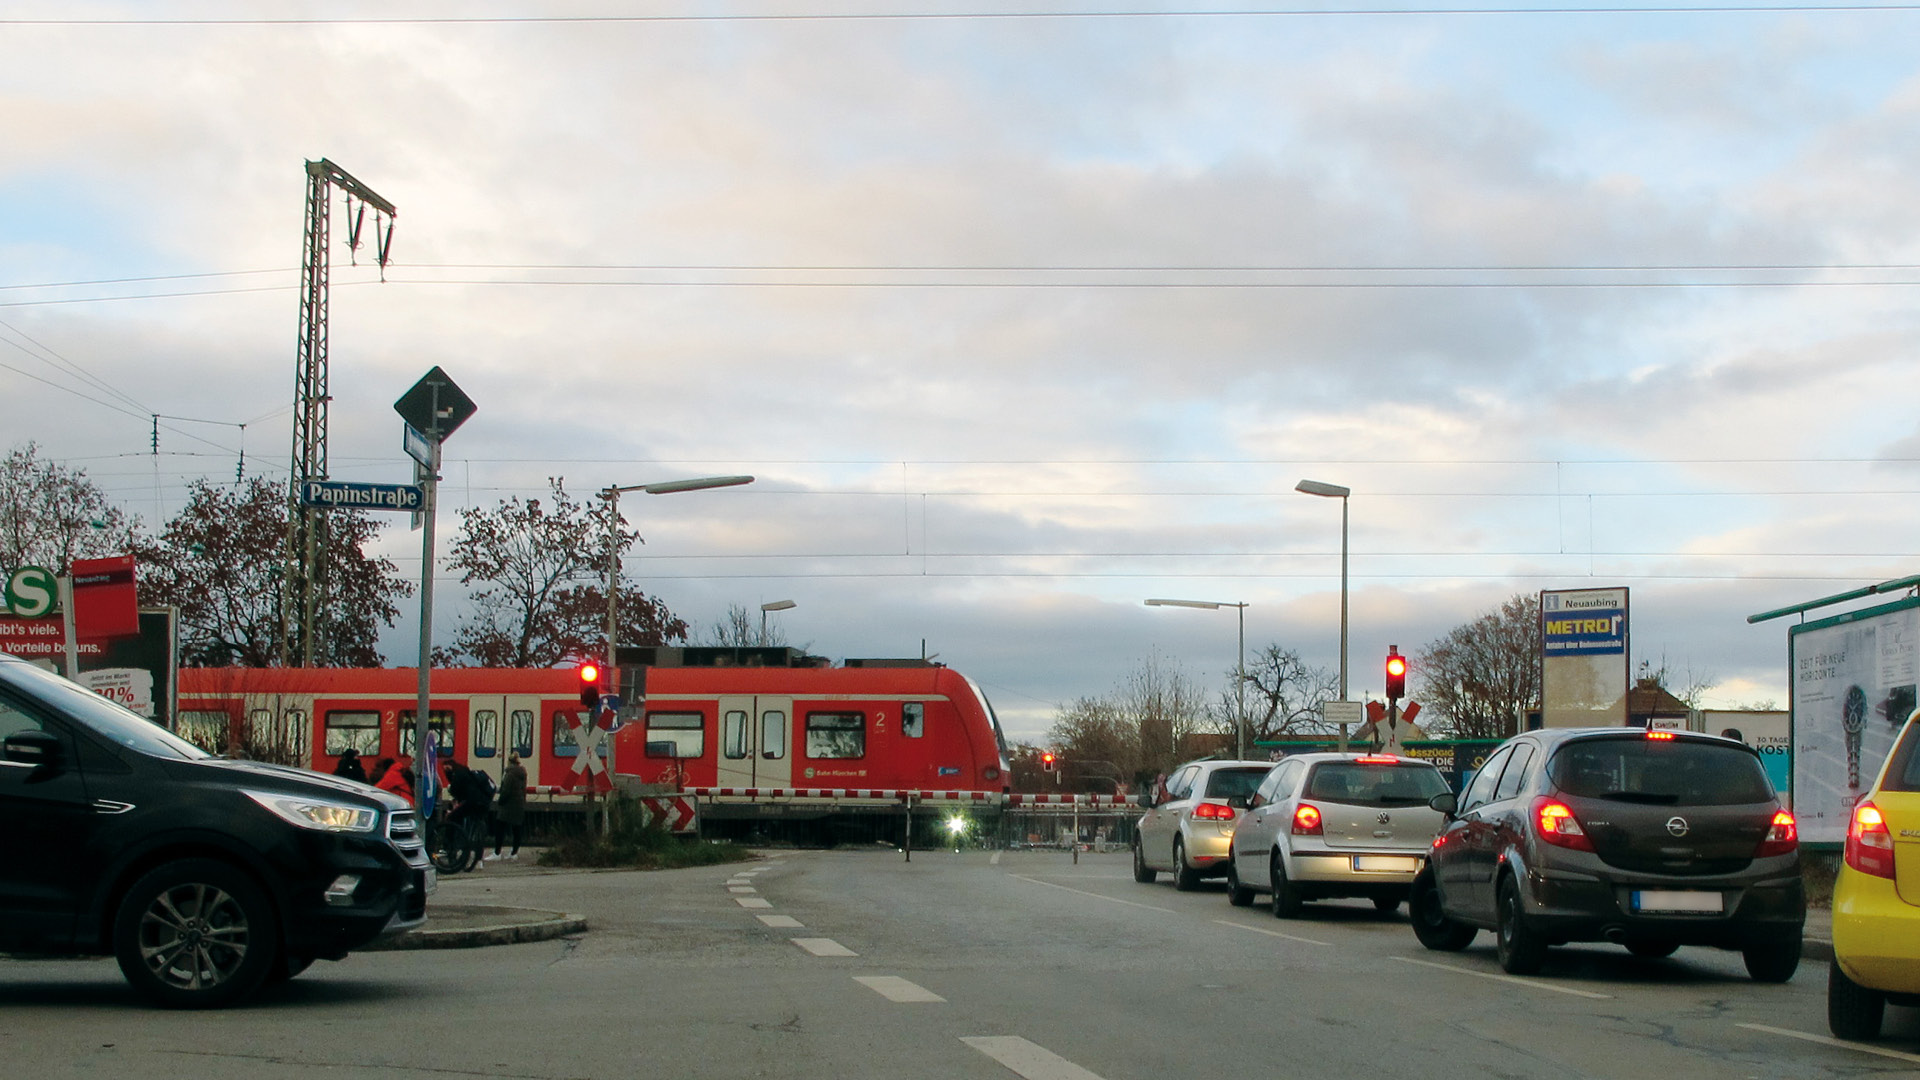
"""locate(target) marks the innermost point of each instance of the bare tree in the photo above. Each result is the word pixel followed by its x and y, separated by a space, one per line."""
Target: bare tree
pixel 1684 683
pixel 50 515
pixel 1478 677
pixel 740 628
pixel 1283 694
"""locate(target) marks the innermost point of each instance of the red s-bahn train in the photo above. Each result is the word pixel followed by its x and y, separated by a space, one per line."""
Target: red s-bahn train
pixel 712 720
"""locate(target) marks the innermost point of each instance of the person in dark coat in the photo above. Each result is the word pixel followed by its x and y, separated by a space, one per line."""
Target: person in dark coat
pixel 349 767
pixel 510 810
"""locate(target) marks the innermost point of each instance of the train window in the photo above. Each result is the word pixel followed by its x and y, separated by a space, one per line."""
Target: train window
pixel 522 721
pixel 296 735
pixel 836 735
pixel 439 721
pixel 486 732
pixel 773 734
pixel 353 729
pixel 676 735
pixel 563 741
pixel 206 730
pixel 733 734
pixel 913 719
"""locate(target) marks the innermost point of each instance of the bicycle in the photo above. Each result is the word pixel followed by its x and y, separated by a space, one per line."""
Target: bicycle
pixel 458 845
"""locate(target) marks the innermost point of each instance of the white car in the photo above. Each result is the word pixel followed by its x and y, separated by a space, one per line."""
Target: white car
pixel 1330 825
pixel 1190 820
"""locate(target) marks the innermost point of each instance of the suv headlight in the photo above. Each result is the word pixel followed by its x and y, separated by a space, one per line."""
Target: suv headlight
pixel 324 815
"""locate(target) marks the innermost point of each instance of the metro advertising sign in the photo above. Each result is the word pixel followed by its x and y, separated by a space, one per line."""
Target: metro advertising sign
pixel 1589 622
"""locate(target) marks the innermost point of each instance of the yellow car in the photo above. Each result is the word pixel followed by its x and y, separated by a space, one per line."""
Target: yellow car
pixel 1876 902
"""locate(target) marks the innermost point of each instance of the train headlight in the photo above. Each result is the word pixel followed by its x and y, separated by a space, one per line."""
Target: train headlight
pixel 956 825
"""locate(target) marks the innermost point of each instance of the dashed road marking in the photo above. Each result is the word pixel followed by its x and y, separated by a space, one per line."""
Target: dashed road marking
pixel 995 860
pixel 739 890
pixel 823 946
pixel 1270 933
pixel 753 901
pixel 1030 1060
pixel 1095 895
pixel 1531 984
pixel 1843 1044
pixel 895 988
pixel 785 922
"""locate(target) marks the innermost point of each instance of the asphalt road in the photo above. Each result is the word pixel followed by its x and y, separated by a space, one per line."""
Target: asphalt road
pixel 857 964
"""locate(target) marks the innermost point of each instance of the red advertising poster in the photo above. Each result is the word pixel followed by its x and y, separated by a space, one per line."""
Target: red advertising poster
pixel 136 671
pixel 103 598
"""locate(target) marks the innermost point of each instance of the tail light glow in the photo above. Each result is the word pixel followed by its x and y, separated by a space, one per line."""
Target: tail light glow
pixel 1378 759
pixel 1660 736
pixel 1557 825
pixel 1306 820
pixel 1869 842
pixel 1214 811
pixel 1783 835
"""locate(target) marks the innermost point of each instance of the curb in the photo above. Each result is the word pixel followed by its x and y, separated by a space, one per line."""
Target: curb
pixel 504 926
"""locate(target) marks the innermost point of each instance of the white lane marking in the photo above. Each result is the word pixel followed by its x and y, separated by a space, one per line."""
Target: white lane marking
pixel 995 861
pixel 1843 1044
pixel 823 946
pixel 740 880
pixel 1531 984
pixel 753 901
pixel 1270 933
pixel 1095 895
pixel 741 890
pixel 895 988
pixel 785 922
pixel 1030 1060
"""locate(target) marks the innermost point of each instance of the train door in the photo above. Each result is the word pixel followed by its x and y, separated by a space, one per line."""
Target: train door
pixel 500 725
pixel 755 733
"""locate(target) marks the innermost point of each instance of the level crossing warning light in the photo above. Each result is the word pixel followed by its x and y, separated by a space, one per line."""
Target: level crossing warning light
pixel 590 685
pixel 1047 761
pixel 1396 674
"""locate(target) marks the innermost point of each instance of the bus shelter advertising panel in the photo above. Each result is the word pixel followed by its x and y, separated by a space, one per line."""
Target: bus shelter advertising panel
pixel 1852 686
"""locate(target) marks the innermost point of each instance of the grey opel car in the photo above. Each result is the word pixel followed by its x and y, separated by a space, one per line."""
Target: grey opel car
pixel 1650 839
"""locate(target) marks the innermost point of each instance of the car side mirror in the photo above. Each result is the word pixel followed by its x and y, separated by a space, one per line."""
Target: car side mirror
pixel 40 749
pixel 1446 802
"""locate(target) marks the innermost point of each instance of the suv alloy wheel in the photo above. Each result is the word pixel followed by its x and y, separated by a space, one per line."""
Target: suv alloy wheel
pixel 196 934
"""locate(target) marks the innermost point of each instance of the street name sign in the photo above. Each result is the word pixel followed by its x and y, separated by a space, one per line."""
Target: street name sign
pixel 342 495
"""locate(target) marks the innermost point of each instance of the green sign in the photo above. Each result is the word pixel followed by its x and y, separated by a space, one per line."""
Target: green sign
pixel 30 592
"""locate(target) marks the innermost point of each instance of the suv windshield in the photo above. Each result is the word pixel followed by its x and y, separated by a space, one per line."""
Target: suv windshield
pixel 1375 785
pixel 121 726
pixel 1232 783
pixel 1678 772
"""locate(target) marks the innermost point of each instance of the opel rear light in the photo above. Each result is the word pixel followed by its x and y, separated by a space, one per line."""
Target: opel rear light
pixel 1306 820
pixel 1557 825
pixel 1214 811
pixel 1783 835
pixel 1869 843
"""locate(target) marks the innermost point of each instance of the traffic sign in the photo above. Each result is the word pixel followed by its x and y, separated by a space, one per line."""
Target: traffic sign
pixel 30 592
pixel 435 406
pixel 417 446
pixel 342 495
pixel 1343 712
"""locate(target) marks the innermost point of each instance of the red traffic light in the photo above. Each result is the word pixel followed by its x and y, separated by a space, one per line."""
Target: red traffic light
pixel 1396 674
pixel 1046 762
pixel 590 685
pixel 590 673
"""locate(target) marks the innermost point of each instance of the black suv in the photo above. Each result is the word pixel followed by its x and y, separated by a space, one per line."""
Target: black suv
pixel 1651 839
pixel 205 877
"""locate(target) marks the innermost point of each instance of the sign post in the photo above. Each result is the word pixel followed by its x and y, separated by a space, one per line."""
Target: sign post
pixel 1583 663
pixel 433 409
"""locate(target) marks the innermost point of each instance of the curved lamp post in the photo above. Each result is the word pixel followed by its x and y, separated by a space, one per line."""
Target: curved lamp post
pixel 1240 674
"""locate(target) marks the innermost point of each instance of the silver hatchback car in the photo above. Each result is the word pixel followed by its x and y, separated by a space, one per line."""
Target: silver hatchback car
pixel 1328 825
pixel 1190 820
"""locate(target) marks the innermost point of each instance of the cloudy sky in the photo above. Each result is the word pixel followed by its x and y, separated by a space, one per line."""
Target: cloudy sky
pixel 1023 313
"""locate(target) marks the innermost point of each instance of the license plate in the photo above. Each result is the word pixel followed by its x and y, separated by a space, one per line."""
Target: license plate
pixel 1392 864
pixel 1689 901
pixel 433 880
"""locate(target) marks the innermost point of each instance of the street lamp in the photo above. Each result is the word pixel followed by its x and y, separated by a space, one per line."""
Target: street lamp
pixel 1240 676
pixel 612 494
pixel 772 605
pixel 1335 491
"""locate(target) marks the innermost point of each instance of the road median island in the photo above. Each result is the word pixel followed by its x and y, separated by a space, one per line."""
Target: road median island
pixel 472 926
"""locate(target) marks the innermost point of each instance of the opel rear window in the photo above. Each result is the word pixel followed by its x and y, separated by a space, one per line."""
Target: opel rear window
pixel 1362 784
pixel 1660 772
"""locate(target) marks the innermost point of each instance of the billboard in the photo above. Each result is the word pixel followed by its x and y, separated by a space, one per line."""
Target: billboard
pixel 1583 657
pixel 137 671
pixel 1851 684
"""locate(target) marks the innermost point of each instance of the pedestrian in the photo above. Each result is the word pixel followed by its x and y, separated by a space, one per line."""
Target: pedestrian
pixel 472 793
pixel 349 767
pixel 391 780
pixel 510 809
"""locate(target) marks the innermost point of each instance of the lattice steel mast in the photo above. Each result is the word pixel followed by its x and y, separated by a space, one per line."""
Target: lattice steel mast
pixel 302 577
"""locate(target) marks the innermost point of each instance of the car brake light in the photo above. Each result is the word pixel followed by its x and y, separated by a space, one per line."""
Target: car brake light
pixel 1663 736
pixel 1869 843
pixel 1217 811
pixel 1306 820
pixel 1558 826
pixel 1783 835
pixel 1378 759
